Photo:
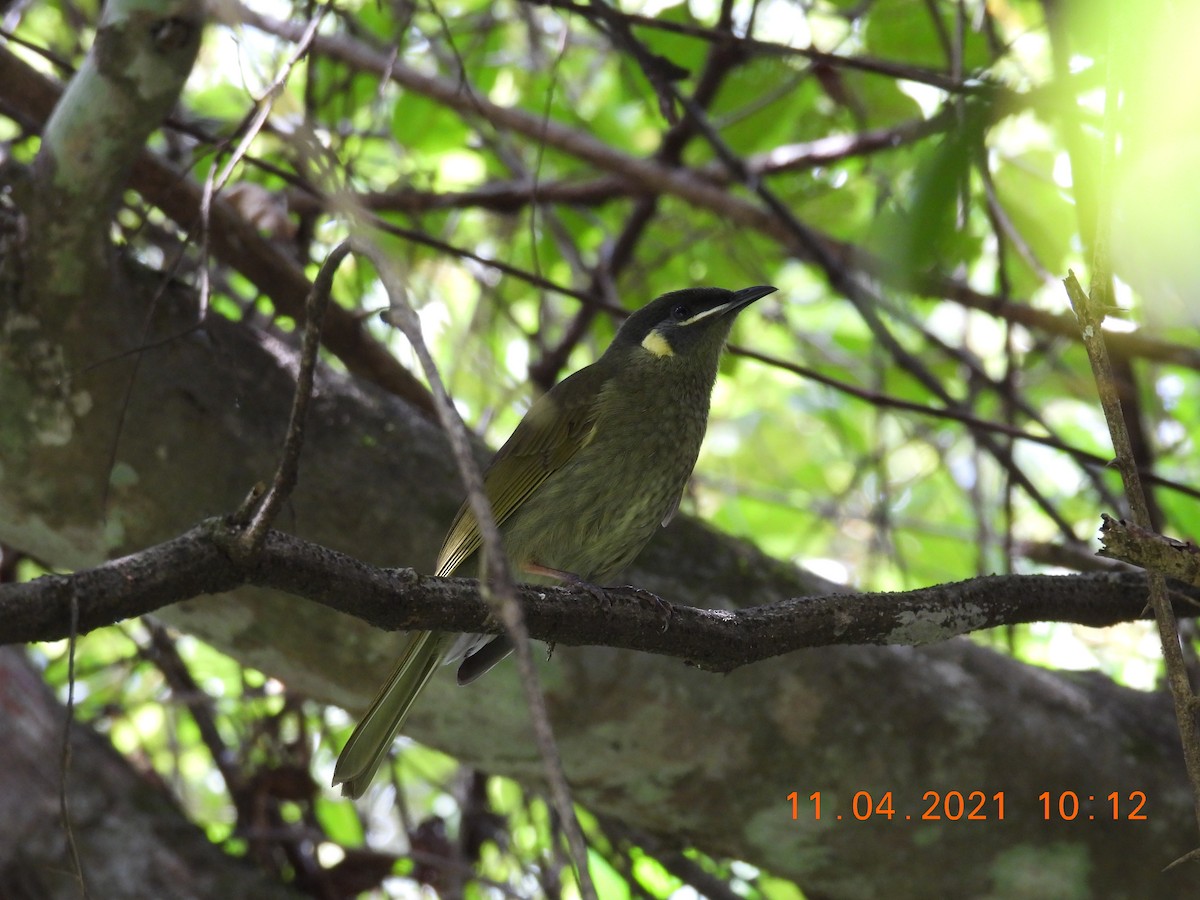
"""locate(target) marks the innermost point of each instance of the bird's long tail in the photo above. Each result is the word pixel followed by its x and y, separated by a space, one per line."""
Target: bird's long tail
pixel 373 737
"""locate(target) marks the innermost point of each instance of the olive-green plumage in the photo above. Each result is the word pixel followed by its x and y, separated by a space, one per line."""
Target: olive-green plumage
pixel 595 467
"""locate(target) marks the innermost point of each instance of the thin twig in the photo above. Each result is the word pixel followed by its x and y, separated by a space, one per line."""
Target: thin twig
pixel 215 182
pixel 1089 309
pixel 888 68
pixel 289 462
pixel 1168 632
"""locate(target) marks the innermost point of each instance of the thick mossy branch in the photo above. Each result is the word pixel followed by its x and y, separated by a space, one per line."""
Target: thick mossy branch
pixel 142 55
pixel 200 562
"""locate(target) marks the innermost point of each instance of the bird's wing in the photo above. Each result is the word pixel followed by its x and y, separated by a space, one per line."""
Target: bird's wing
pixel 551 433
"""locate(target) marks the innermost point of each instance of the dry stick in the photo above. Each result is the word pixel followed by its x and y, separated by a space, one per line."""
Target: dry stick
pixel 1089 310
pixel 1177 677
pixel 261 515
pixel 497 587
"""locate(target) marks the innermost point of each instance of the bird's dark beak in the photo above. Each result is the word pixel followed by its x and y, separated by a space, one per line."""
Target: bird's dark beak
pixel 746 296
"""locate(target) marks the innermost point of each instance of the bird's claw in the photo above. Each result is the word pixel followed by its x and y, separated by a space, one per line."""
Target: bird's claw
pixel 648 599
pixel 651 600
pixel 596 591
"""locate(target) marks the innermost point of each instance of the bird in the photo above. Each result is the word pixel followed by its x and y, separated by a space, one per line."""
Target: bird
pixel 595 467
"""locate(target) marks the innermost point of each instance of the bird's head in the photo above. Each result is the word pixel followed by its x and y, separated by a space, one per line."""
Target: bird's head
pixel 687 324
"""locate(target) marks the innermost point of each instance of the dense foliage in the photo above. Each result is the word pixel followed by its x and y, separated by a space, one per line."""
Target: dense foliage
pixel 913 407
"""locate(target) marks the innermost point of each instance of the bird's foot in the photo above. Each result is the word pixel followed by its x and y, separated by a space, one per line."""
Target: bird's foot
pixel 651 600
pixel 572 579
pixel 648 599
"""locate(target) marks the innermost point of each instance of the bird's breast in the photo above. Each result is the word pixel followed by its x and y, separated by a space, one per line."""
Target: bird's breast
pixel 594 515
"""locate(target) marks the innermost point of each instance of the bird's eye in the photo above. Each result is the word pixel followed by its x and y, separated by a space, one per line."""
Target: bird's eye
pixel 681 312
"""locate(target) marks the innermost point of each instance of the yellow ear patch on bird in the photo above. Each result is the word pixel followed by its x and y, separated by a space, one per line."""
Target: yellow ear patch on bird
pixel 657 344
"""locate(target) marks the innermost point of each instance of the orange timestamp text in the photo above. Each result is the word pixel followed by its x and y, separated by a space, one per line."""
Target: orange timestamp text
pixel 975 806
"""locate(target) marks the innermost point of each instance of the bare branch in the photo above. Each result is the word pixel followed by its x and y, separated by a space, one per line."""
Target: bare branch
pixel 198 562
